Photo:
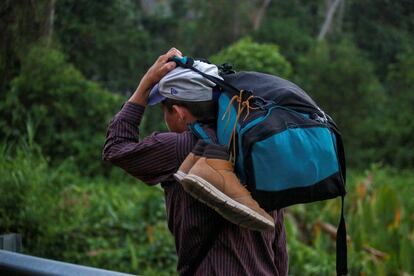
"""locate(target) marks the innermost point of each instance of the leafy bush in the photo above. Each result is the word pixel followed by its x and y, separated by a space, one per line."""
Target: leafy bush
pixel 293 39
pixel 382 29
pixel 398 129
pixel 250 56
pixel 115 223
pixel 69 114
pixel 379 225
pixel 107 41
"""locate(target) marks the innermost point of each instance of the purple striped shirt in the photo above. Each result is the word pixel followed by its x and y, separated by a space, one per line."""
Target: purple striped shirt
pixel 154 159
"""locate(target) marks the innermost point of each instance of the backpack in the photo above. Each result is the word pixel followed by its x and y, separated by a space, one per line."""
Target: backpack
pixel 286 150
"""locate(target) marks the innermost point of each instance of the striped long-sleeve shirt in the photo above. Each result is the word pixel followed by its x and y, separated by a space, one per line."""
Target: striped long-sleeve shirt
pixel 154 159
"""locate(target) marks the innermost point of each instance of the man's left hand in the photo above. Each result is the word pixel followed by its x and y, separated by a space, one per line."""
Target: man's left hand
pixel 154 74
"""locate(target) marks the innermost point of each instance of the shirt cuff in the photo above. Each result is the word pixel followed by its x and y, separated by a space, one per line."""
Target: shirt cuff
pixel 132 112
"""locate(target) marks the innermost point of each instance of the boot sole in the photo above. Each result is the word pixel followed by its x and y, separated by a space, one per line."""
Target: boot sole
pixel 226 206
pixel 179 176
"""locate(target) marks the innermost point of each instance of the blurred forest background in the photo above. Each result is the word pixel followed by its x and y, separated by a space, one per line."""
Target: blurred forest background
pixel 66 67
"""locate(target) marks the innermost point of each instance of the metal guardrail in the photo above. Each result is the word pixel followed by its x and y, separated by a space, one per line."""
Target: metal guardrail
pixel 12 263
pixel 11 242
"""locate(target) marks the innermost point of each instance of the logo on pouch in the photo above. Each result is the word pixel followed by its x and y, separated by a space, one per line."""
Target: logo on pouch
pixel 173 91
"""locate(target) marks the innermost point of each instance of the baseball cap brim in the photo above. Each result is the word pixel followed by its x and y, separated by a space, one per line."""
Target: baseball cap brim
pixel 155 96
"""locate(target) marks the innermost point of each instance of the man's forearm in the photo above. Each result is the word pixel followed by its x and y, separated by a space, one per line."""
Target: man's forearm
pixel 152 159
pixel 123 130
pixel 140 95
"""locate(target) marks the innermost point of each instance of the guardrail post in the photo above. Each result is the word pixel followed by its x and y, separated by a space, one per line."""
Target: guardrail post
pixel 11 242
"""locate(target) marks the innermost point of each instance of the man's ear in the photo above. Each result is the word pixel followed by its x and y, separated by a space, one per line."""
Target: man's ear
pixel 184 114
pixel 181 112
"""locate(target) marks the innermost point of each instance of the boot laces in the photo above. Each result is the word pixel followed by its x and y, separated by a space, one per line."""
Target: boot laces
pixel 242 106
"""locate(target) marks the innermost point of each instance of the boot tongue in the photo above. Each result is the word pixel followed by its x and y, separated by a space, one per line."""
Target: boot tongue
pixel 220 164
pixel 199 147
pixel 213 151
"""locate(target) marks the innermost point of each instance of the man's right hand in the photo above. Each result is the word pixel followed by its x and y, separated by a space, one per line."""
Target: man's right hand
pixel 154 74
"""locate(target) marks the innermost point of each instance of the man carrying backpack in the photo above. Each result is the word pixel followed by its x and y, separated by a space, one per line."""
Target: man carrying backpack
pixel 206 244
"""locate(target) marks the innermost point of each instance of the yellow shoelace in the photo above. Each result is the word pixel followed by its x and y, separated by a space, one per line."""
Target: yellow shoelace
pixel 242 105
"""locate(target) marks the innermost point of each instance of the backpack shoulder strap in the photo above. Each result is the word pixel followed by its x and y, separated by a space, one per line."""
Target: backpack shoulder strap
pixel 199 132
pixel 341 247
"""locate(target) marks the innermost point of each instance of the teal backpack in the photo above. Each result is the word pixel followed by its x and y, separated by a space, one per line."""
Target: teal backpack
pixel 286 150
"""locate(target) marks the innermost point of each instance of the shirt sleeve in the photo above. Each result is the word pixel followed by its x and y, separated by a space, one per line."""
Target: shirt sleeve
pixel 153 159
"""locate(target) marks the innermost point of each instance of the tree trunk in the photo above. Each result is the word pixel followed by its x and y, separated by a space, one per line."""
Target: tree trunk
pixel 330 11
pixel 49 22
pixel 258 17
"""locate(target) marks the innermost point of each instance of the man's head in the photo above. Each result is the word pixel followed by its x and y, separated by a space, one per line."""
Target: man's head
pixel 186 96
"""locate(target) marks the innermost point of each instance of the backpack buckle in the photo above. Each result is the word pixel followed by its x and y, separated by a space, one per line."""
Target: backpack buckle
pixel 321 119
pixel 226 68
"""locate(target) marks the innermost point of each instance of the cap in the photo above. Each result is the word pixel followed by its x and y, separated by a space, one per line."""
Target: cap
pixel 184 84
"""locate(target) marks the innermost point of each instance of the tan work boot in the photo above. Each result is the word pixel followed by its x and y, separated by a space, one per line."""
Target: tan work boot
pixel 212 181
pixel 190 160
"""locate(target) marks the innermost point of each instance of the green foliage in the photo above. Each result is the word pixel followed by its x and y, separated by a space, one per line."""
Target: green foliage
pixel 216 34
pixel 381 28
pixel 250 56
pixel 290 25
pixel 106 41
pixel 398 129
pixel 286 33
pixel 342 82
pixel 119 224
pixel 22 23
pixel 114 223
pixel 362 75
pixel 379 224
pixel 69 114
pixel 305 259
pixel 152 121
